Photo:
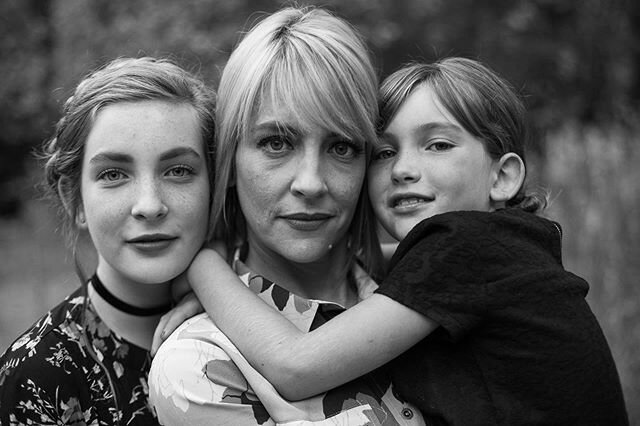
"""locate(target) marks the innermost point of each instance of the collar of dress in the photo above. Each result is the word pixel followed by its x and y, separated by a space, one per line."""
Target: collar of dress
pixel 299 310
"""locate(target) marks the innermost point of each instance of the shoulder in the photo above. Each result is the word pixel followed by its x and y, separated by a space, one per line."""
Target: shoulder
pixel 454 234
pixel 44 342
pixel 44 359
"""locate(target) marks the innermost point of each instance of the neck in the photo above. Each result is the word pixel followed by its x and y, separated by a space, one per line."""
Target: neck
pixel 325 279
pixel 133 328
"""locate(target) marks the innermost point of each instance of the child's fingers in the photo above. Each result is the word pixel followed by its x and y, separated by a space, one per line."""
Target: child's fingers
pixel 158 334
pixel 185 309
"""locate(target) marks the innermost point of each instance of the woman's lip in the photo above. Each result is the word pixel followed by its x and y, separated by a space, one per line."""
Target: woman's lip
pixel 306 221
pixel 306 216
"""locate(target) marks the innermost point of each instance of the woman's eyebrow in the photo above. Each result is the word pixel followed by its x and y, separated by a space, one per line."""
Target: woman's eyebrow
pixel 275 126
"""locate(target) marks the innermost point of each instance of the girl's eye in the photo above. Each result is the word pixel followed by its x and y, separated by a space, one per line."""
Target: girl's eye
pixel 384 154
pixel 275 144
pixel 111 175
pixel 180 171
pixel 440 146
pixel 346 150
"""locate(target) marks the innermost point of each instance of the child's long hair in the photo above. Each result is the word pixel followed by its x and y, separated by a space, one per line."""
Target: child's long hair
pixel 481 101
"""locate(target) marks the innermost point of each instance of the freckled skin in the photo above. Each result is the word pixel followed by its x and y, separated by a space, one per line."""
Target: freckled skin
pixel 144 172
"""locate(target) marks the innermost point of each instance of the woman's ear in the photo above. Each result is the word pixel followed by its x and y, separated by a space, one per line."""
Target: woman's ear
pixel 75 212
pixel 509 178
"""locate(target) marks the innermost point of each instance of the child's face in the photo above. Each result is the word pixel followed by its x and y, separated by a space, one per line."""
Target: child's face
pixel 427 164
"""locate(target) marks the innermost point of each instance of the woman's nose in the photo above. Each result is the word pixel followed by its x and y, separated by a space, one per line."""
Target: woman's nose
pixel 406 169
pixel 309 179
pixel 149 203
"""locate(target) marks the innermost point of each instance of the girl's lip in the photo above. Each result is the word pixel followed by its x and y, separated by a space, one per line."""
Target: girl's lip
pixel 151 238
pixel 408 200
pixel 152 243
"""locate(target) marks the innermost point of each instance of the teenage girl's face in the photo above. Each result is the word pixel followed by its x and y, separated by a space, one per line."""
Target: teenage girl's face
pixel 298 186
pixel 427 164
pixel 145 190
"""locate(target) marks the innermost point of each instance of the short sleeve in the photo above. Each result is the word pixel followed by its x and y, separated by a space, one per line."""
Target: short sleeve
pixel 437 271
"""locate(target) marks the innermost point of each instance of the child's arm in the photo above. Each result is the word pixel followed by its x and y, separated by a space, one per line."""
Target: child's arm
pixel 300 364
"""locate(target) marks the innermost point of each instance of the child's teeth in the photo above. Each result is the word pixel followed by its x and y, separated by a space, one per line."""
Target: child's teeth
pixel 408 201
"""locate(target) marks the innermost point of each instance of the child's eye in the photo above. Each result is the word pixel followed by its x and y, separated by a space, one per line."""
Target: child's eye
pixel 180 171
pixel 384 154
pixel 275 144
pixel 111 175
pixel 440 146
pixel 346 150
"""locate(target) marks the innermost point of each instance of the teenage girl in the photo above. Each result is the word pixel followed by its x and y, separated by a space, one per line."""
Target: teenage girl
pixel 482 322
pixel 129 167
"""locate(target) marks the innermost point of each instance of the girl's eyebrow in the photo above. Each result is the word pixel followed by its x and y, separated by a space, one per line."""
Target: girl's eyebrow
pixel 439 125
pixel 179 152
pixel 118 157
pixel 108 156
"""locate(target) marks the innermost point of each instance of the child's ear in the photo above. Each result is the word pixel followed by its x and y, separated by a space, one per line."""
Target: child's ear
pixel 509 178
pixel 76 212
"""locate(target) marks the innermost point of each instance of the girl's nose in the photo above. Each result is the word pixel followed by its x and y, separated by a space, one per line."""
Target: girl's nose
pixel 405 169
pixel 149 203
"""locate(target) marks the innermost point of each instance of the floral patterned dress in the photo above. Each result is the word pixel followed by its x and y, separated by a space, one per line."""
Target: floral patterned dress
pixel 199 377
pixel 71 369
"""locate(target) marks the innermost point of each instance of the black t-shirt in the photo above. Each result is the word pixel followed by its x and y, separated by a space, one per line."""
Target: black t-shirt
pixel 518 343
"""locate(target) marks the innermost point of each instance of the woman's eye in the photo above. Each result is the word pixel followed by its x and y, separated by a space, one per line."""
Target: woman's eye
pixel 180 171
pixel 384 154
pixel 274 144
pixel 346 149
pixel 111 175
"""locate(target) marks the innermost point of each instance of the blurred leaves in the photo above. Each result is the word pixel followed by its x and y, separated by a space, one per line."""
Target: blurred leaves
pixel 576 62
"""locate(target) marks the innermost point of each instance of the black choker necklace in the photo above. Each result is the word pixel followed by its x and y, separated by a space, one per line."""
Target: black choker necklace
pixel 124 306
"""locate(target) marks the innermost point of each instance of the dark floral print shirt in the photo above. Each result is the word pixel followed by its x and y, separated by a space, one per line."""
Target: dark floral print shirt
pixel 56 372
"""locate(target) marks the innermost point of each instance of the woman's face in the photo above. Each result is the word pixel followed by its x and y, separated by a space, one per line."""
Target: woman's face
pixel 145 190
pixel 298 186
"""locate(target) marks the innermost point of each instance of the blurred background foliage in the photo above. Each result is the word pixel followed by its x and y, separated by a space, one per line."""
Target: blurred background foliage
pixel 575 62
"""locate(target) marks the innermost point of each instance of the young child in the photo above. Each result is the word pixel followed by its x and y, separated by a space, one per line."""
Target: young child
pixel 482 322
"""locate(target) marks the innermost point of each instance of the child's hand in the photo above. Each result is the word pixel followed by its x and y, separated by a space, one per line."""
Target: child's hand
pixel 188 306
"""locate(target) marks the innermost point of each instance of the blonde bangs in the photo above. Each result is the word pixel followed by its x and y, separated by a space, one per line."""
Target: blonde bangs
pixel 319 94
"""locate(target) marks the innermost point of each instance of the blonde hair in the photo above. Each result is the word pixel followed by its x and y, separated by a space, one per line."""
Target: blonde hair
pixel 316 63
